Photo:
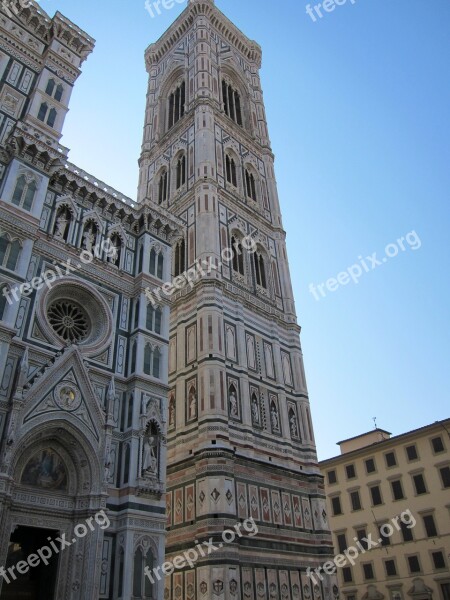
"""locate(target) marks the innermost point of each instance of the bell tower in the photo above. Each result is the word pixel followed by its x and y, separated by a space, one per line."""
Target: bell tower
pixel 241 450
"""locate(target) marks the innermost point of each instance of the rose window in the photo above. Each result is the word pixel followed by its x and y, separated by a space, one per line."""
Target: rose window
pixel 68 320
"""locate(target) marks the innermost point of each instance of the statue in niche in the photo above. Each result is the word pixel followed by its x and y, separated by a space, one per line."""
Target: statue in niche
pixel 89 239
pixel 192 404
pixel 233 403
pixel 274 418
pixel 61 225
pixel 150 458
pixel 255 410
pixel 293 423
pixel 171 411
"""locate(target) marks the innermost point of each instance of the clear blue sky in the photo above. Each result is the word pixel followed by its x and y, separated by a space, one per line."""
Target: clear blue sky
pixel 358 106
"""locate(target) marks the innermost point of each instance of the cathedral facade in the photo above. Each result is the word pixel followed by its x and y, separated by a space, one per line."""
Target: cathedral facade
pixel 155 428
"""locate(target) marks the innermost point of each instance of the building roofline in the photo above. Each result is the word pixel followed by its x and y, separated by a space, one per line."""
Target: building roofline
pixel 444 423
pixel 249 48
pixel 364 434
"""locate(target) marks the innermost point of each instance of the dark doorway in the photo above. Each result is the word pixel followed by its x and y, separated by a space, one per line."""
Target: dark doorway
pixel 39 582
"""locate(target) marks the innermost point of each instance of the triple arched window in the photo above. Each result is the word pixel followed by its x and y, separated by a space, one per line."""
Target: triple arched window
pixel 177 101
pixel 9 252
pixel 54 90
pixel 179 258
pixel 232 103
pixel 163 187
pixel 47 115
pixel 24 192
pixel 230 167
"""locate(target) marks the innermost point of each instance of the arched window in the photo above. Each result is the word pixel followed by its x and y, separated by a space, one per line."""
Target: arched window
pixel 177 101
pixel 238 256
pixel 163 187
pixel 156 363
pixel 133 358
pixel 130 411
pixel 136 313
pixel 148 354
pixel 260 271
pixel 43 110
pixel 156 267
pixel 24 192
pixel 59 93
pixel 62 224
pixel 121 573
pixel 232 103
pixel 9 253
pixel 231 170
pixel 126 464
pixel 181 171
pixel 51 85
pixel 3 301
pixel 250 185
pixel 154 319
pixel 52 117
pixel 180 259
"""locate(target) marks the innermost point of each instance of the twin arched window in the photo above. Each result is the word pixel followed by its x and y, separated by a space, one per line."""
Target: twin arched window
pixel 154 319
pixel 180 258
pixel 238 256
pixel 231 172
pixel 54 90
pixel 24 192
pixel 260 270
pixel 163 187
pixel 9 252
pixel 47 115
pixel 156 266
pixel 142 586
pixel 232 103
pixel 152 361
pixel 177 101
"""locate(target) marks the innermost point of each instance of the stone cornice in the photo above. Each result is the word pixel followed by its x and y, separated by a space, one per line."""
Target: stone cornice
pixel 248 48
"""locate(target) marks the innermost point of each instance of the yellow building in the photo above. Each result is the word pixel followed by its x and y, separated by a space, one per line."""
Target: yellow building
pixel 389 504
